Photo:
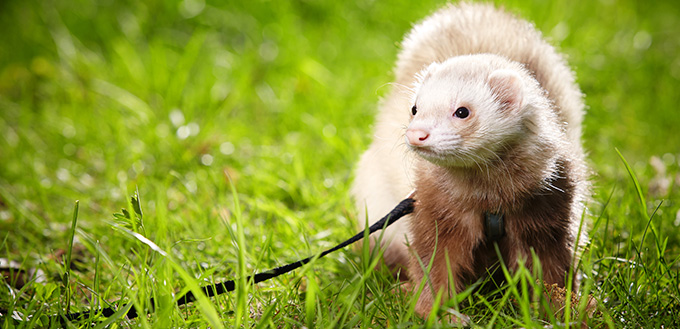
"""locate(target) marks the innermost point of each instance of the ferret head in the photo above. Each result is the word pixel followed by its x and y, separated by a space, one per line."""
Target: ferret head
pixel 467 109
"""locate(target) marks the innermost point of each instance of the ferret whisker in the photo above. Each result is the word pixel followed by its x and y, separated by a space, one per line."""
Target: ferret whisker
pixel 504 170
pixel 403 89
pixel 485 162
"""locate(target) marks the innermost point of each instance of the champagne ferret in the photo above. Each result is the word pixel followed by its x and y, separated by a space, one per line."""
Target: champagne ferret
pixel 492 123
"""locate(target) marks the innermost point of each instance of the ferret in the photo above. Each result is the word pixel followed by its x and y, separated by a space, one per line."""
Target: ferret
pixel 491 124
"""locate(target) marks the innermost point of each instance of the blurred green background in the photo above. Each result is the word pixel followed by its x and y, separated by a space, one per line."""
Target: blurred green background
pixel 89 87
pixel 99 98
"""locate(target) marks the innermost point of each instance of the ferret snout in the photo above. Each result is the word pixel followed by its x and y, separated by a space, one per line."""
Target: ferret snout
pixel 416 137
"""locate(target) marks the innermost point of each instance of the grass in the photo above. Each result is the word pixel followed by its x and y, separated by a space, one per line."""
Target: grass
pixel 238 125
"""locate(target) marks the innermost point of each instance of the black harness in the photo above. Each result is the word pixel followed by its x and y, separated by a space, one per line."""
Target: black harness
pixel 494 226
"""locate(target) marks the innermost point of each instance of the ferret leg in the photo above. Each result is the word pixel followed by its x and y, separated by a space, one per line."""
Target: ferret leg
pixel 552 252
pixel 437 280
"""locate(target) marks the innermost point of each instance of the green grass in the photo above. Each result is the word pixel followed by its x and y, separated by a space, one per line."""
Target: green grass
pixel 238 126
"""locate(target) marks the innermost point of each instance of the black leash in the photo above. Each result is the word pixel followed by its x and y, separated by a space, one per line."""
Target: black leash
pixel 405 207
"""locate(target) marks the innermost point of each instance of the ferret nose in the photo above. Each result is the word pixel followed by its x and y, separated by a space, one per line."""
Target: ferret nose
pixel 416 137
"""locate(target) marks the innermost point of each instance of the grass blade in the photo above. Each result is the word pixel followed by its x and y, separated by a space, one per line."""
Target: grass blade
pixel 633 177
pixel 67 262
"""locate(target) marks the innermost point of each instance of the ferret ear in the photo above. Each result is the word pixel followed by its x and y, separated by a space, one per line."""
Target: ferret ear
pixel 426 72
pixel 421 76
pixel 508 88
pixel 433 66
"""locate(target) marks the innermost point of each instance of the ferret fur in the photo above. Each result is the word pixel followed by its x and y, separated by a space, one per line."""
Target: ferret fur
pixel 518 152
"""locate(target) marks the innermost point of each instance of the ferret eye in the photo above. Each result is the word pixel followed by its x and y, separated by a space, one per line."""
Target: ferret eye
pixel 462 112
pixel 414 110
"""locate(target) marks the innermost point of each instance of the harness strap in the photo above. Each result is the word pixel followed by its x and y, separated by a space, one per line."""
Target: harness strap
pixel 494 226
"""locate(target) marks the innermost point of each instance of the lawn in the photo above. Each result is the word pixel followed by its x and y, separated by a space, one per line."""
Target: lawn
pixel 237 127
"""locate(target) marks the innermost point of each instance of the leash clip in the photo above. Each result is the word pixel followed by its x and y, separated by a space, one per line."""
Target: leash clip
pixel 494 226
